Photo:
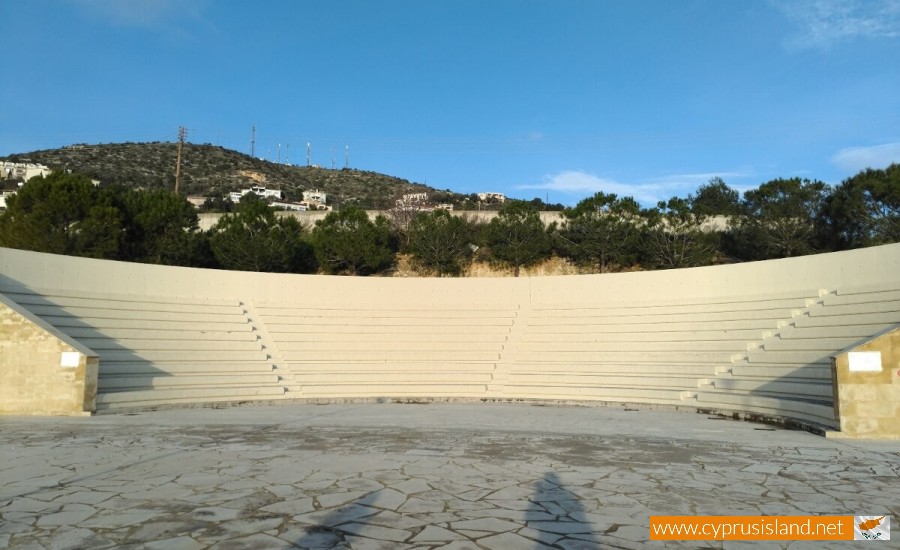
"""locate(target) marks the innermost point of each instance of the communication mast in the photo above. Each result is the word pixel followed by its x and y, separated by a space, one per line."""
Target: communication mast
pixel 332 157
pixel 253 141
pixel 307 154
pixel 346 156
pixel 182 131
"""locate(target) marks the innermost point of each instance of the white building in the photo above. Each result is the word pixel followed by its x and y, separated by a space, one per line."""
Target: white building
pixel 293 206
pixel 315 196
pixel 415 197
pixel 485 197
pixel 3 196
pixel 22 170
pixel 235 196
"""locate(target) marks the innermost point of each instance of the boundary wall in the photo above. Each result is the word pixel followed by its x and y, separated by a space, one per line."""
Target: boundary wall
pixel 755 339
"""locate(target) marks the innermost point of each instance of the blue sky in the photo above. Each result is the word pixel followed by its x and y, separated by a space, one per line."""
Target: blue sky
pixel 550 98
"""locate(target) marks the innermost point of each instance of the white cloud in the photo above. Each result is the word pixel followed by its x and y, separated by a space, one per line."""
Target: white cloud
pixel 854 159
pixel 137 13
pixel 583 184
pixel 823 23
pixel 172 16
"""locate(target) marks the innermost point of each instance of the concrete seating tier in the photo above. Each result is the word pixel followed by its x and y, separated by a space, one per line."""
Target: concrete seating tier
pixel 648 352
pixel 159 350
pixel 753 338
pixel 411 351
pixel 790 369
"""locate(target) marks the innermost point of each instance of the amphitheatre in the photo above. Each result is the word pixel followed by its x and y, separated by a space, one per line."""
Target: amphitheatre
pixel 550 412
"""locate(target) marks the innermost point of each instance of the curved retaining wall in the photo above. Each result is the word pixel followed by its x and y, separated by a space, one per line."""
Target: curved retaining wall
pixel 756 338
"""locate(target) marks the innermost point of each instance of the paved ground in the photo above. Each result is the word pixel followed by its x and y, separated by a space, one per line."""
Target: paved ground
pixel 452 476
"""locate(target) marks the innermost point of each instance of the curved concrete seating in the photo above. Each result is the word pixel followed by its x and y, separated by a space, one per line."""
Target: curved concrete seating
pixel 438 350
pixel 159 350
pixel 752 338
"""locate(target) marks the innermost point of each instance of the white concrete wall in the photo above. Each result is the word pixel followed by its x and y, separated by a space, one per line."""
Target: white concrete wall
pixel 602 366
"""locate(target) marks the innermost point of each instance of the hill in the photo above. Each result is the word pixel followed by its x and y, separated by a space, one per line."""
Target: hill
pixel 214 171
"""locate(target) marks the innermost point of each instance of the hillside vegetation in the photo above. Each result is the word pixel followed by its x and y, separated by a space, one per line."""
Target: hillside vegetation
pixel 212 171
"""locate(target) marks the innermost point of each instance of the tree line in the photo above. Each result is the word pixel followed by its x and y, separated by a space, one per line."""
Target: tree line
pixel 66 214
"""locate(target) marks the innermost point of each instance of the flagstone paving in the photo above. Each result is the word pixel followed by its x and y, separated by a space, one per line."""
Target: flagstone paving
pixel 391 476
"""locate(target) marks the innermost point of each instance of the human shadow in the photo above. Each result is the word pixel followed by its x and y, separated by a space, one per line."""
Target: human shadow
pixel 555 515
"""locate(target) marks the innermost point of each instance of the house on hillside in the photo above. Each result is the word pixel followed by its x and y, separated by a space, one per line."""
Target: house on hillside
pixel 22 171
pixel 235 196
pixel 492 197
pixel 315 196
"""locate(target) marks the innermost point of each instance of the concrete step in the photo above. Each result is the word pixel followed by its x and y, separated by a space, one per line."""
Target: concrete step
pixel 308 339
pixel 389 378
pixel 595 393
pixel 196 334
pixel 792 357
pixel 387 355
pixel 819 389
pixel 663 369
pixel 612 345
pixel 611 326
pixel 161 396
pixel 825 345
pixel 397 367
pixel 863 298
pixel 414 392
pixel 282 322
pixel 865 289
pixel 857 309
pixel 621 357
pixel 147 324
pixel 52 295
pixel 746 298
pixel 583 310
pixel 389 347
pixel 775 372
pixel 862 332
pixel 112 383
pixel 585 335
pixel 137 303
pixel 112 368
pixel 589 380
pixel 813 412
pixel 415 312
pixel 280 331
pixel 105 313
pixel 598 317
pixel 181 355
pixel 861 318
pixel 143 344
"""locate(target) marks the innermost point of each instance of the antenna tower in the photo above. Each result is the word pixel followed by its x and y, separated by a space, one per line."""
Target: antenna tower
pixel 346 156
pixel 253 141
pixel 332 157
pixel 182 132
pixel 307 153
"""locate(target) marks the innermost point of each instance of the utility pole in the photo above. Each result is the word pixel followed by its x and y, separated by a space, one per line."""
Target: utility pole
pixel 253 141
pixel 182 131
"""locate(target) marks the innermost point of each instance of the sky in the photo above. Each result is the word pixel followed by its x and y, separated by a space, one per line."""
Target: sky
pixel 556 99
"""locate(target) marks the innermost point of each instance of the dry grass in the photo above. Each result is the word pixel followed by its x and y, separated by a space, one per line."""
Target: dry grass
pixel 552 266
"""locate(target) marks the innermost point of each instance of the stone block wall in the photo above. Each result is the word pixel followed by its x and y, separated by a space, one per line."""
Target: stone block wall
pixel 42 372
pixel 867 388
